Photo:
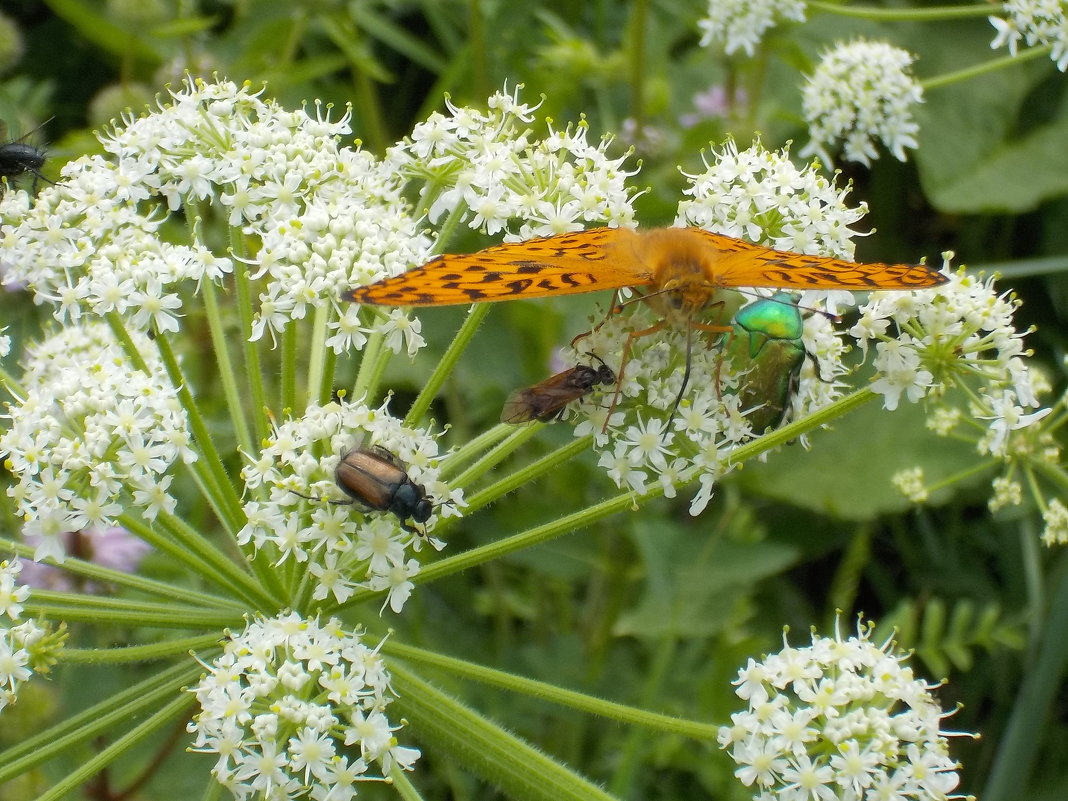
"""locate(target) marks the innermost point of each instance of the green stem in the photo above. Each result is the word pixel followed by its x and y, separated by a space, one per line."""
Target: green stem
pixel 781 436
pixel 128 580
pixel 531 537
pixel 554 695
pixel 289 367
pixel 12 385
pixel 253 369
pixel 466 452
pixel 90 723
pixel 448 362
pixel 227 374
pixel 455 731
pixel 373 361
pixel 316 363
pixel 139 653
pixel 907 14
pixel 103 611
pixel 1018 747
pixel 528 473
pixel 118 329
pixel 495 456
pixel 90 767
pixel 225 501
pixel 228 573
pixel 976 70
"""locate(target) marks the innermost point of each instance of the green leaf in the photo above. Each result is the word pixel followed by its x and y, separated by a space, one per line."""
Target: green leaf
pixel 98 29
pixel 847 473
pixel 1015 177
pixel 693 580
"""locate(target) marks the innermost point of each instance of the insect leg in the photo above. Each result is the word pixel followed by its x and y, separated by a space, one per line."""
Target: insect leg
pixel 623 365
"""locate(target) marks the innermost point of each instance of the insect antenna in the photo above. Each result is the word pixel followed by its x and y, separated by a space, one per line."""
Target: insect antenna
pixel 322 500
pixel 834 318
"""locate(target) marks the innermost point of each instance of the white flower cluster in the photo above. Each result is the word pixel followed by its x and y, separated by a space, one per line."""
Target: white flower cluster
pixel 297 710
pixel 841 719
pixel 344 546
pixel 741 24
pixel 91 437
pixel 16 642
pixel 315 217
pixel 956 334
pixel 762 197
pixel 1038 22
pixel 861 92
pixel 490 169
pixel 1055 517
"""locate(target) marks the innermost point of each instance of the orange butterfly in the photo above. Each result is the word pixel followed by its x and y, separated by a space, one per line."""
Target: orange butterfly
pixel 685 267
pixel 546 400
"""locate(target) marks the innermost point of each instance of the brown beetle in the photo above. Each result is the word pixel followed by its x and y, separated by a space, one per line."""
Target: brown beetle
pixel 375 478
pixel 545 401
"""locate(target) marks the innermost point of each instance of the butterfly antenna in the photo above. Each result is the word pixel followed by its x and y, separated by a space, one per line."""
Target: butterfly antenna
pixel 834 318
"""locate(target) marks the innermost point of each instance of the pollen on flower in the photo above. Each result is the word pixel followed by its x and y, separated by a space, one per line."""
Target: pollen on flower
pixel 1007 492
pixel 1055 517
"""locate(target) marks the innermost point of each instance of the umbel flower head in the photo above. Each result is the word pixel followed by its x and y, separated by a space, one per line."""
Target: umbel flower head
pixel 1037 22
pixel 840 719
pixel 340 552
pixel 297 709
pixel 859 94
pixel 741 24
pixel 28 646
pixel 91 437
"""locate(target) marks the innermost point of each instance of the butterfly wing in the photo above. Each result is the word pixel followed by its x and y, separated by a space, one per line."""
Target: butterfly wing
pixel 739 263
pixel 565 264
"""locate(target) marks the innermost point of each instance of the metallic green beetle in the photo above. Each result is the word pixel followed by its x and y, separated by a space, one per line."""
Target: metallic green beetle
pixel 765 347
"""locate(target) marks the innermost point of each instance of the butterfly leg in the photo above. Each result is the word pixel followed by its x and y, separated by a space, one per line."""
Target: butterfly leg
pixel 614 309
pixel 624 358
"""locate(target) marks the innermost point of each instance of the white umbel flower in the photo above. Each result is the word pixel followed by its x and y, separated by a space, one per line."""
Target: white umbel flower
pixel 1037 22
pixel 842 718
pixel 861 93
pixel 740 24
